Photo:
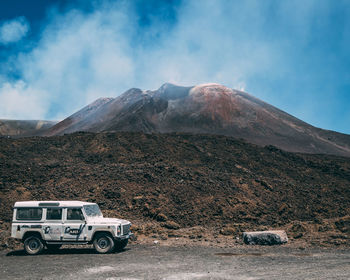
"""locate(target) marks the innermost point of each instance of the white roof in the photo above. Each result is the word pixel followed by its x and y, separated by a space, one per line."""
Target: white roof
pixel 61 203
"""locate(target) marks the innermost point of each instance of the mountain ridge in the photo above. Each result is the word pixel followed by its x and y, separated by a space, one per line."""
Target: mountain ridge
pixel 208 109
pixel 24 128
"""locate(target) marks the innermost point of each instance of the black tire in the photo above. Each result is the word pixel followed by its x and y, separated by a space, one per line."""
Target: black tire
pixel 103 243
pixel 120 245
pixel 33 245
pixel 53 247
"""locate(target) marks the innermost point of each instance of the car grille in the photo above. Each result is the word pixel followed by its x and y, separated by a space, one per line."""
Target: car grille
pixel 126 229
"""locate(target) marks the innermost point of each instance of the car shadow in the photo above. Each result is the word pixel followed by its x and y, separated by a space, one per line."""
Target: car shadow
pixel 64 251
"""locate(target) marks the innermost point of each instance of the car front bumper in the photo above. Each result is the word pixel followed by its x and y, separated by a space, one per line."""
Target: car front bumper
pixel 130 236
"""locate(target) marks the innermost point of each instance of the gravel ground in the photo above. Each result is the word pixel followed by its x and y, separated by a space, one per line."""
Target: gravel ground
pixel 183 262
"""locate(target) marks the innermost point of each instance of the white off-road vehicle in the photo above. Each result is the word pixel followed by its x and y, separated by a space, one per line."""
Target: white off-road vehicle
pixel 54 223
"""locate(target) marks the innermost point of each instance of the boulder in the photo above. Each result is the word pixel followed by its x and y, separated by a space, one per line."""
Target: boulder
pixel 270 237
pixel 171 225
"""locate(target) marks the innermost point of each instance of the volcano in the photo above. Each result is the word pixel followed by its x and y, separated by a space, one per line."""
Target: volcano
pixel 203 109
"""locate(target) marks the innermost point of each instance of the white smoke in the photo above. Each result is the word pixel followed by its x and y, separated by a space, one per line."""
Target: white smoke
pixel 84 56
pixel 20 101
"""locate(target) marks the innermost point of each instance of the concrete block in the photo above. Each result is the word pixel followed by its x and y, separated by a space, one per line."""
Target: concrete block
pixel 270 237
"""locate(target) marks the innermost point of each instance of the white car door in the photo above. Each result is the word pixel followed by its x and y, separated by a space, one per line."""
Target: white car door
pixel 74 226
pixel 52 227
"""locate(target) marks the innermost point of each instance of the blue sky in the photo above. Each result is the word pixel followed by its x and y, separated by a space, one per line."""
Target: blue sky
pixel 58 56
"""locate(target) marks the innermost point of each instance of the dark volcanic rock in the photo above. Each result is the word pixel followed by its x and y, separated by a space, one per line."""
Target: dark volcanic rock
pixel 192 180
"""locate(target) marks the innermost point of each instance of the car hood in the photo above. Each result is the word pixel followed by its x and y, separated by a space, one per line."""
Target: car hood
pixel 101 220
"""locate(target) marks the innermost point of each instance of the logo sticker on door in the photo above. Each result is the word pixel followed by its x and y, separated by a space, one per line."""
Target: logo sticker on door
pixel 72 231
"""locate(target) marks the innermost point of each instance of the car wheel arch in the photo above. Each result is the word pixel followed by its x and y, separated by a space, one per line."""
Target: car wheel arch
pixel 99 232
pixel 32 233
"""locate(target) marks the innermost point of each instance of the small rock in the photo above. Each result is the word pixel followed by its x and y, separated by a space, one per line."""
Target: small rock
pixel 133 237
pixel 156 242
pixel 161 217
pixel 228 231
pixel 273 237
pixel 299 235
pixel 343 225
pixel 171 225
pixel 298 228
pixel 172 234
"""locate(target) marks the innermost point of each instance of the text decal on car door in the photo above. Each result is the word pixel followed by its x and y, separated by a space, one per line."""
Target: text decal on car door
pixel 73 231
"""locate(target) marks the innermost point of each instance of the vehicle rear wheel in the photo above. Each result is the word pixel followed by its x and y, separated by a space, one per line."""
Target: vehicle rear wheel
pixel 103 244
pixel 53 247
pixel 33 245
pixel 120 245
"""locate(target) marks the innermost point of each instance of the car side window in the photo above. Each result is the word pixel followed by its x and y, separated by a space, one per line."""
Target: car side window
pixel 74 214
pixel 54 214
pixel 29 213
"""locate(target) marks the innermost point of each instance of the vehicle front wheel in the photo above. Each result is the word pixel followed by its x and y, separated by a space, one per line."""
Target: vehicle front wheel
pixel 120 245
pixel 33 245
pixel 103 244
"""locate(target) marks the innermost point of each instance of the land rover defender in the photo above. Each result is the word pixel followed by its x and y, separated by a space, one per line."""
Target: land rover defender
pixel 51 224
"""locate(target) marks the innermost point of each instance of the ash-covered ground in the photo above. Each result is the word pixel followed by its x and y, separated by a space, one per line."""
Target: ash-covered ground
pixel 181 188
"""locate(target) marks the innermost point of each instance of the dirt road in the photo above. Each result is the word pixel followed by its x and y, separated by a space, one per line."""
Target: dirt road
pixel 161 262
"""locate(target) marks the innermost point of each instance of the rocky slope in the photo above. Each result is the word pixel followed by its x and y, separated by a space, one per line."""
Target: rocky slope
pixel 168 183
pixel 21 128
pixel 209 108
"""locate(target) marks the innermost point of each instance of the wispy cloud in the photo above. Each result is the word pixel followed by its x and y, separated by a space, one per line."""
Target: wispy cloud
pixel 14 30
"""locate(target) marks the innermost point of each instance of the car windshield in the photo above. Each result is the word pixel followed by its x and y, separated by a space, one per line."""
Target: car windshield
pixel 93 210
